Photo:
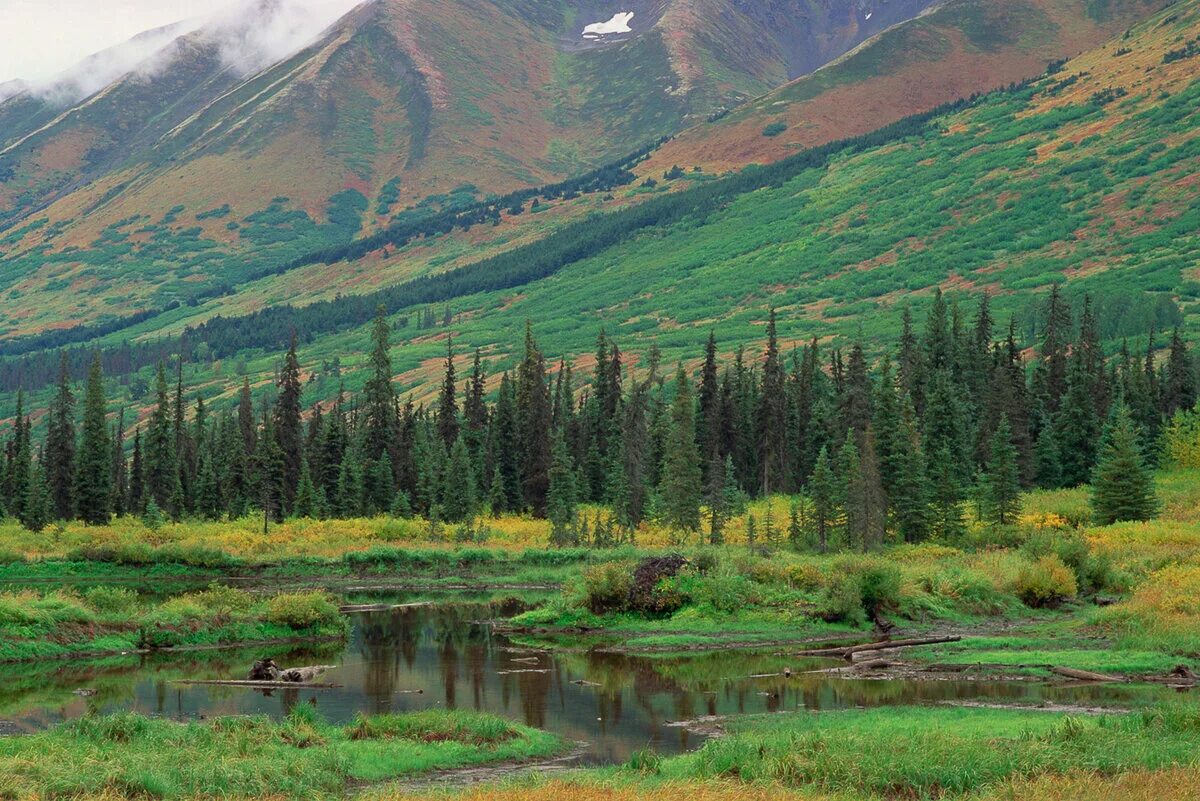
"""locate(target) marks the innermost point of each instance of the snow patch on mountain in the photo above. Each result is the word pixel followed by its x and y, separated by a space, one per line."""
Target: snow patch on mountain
pixel 618 24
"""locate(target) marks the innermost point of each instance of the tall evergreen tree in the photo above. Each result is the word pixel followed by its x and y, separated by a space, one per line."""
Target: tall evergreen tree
pixel 59 466
pixel 1122 486
pixel 680 487
pixel 458 487
pixel 771 422
pixel 378 396
pixel 1002 485
pixel 1077 425
pixel 562 495
pixel 160 468
pixel 533 418
pixel 18 460
pixel 93 480
pixel 289 431
pixel 137 486
pixel 119 469
pixel 447 411
pixel 708 410
pixel 246 422
pixel 909 495
pixel 1054 348
pixel 823 489
pixel 1179 384
pixel 37 508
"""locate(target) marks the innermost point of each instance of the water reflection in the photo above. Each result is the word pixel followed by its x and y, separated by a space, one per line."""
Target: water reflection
pixel 616 703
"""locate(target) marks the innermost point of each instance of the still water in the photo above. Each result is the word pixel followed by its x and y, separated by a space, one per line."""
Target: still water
pixel 615 704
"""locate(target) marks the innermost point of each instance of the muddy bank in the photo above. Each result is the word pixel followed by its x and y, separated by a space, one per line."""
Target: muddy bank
pixel 457 778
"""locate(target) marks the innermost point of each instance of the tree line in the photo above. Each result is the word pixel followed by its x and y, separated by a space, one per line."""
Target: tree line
pixel 952 413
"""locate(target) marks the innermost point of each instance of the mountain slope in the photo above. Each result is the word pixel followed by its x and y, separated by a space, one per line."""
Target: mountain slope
pixel 952 50
pixel 188 174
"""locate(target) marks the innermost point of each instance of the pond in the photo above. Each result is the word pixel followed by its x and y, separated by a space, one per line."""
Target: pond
pixel 612 703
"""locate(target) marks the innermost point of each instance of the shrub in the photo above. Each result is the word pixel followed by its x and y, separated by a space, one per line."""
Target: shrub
pixel 775 129
pixel 606 586
pixel 843 602
pixel 1046 582
pixel 301 610
pixel 111 600
pixel 222 600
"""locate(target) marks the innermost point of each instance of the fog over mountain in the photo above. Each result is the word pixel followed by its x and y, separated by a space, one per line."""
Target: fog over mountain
pixel 249 35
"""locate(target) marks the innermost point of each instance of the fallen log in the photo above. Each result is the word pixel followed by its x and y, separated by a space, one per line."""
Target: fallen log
pixel 266 685
pixel 874 664
pixel 1084 675
pixel 849 651
pixel 381 607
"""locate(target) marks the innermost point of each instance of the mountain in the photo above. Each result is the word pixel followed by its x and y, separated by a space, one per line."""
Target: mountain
pixel 499 94
pixel 951 50
pixel 1083 176
pixel 220 150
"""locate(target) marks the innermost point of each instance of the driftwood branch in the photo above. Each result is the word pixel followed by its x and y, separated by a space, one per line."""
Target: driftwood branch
pixel 1084 675
pixel 883 645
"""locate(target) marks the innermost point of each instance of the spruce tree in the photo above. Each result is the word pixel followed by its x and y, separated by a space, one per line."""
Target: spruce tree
pixel 946 496
pixel 269 471
pixel 1077 425
pixel 855 404
pixel 18 460
pixel 379 487
pixel 378 396
pixel 458 485
pixel 1179 380
pixel 246 424
pixel 306 505
pixel 1002 483
pixel 562 495
pixel 1054 348
pixel 680 487
pixel 137 491
pixel 533 423
pixel 850 494
pixel 708 410
pixel 289 432
pixel 909 496
pixel 714 496
pixel 59 465
pixel 37 507
pixel 161 470
pixel 119 469
pixel 93 480
pixel 1047 462
pixel 824 491
pixel 447 411
pixel 1122 486
pixel 771 419
pixel 210 504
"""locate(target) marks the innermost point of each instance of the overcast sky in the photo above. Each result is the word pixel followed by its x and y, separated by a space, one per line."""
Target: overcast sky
pixel 39 38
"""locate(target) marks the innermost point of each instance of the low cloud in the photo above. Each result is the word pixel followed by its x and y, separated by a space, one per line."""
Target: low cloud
pixel 249 36
pixel 257 34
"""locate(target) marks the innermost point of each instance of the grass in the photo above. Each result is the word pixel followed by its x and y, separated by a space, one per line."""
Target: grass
pixel 114 620
pixel 909 752
pixel 1135 785
pixel 130 756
